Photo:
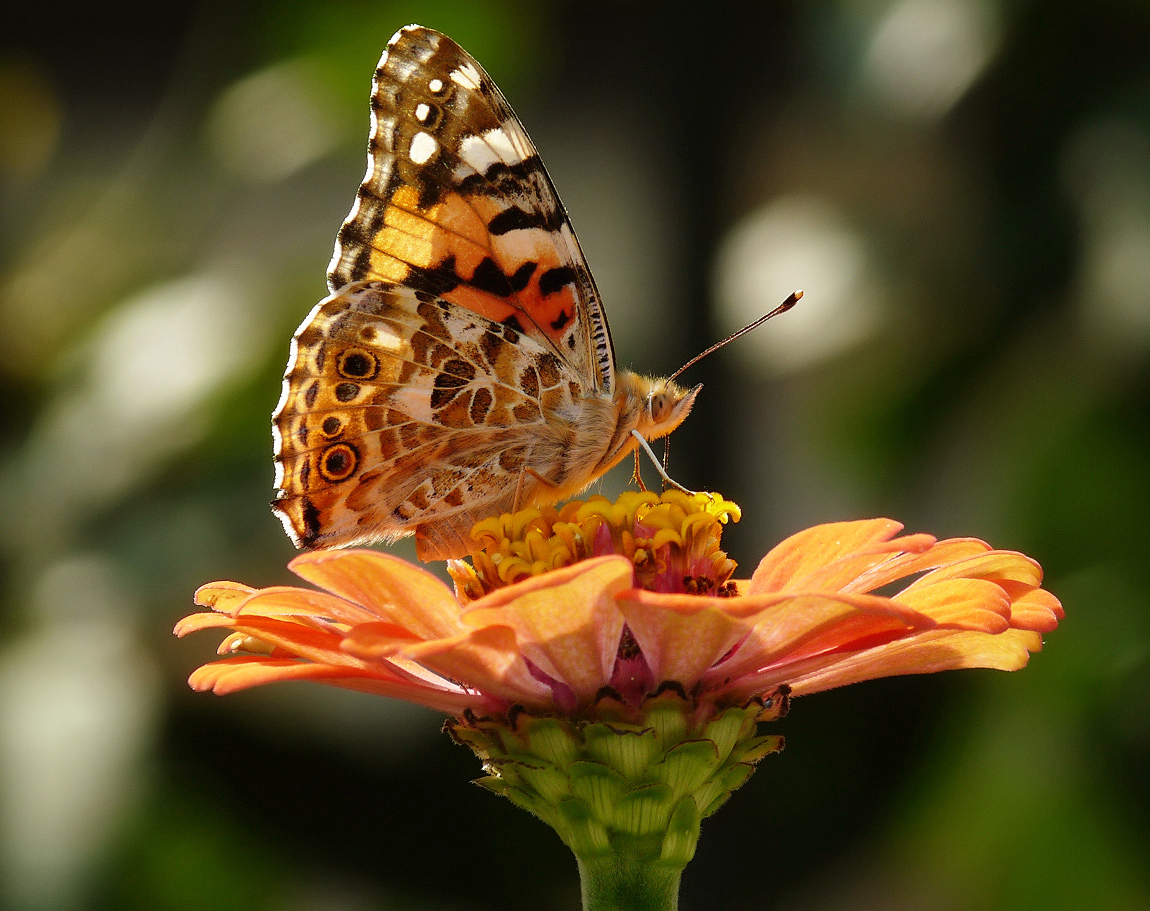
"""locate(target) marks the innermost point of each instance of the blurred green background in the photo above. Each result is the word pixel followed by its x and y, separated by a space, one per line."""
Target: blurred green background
pixel 962 188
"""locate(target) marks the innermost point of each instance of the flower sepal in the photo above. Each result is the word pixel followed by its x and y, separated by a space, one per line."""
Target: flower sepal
pixel 624 782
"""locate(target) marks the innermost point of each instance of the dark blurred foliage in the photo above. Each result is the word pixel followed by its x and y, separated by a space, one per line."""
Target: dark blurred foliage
pixel 962 187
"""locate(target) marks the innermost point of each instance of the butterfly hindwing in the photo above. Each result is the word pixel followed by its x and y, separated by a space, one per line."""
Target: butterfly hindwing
pixel 402 411
pixel 456 202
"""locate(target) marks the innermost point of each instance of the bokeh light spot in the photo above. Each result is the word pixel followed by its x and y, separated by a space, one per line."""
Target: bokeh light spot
pixel 796 242
pixel 925 54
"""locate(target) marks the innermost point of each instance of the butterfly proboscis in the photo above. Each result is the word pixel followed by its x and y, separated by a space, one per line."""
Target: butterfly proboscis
pixel 786 305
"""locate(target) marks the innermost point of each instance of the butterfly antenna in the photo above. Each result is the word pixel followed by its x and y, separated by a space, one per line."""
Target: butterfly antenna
pixel 781 308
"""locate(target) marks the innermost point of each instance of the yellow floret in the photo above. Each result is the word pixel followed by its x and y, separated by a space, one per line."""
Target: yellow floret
pixel 657 532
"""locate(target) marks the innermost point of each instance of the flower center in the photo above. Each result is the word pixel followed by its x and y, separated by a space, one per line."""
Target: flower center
pixel 673 539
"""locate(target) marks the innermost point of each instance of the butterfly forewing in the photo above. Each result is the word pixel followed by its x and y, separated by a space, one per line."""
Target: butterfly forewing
pixel 456 202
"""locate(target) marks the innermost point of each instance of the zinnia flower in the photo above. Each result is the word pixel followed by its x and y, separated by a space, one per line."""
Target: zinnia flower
pixel 607 668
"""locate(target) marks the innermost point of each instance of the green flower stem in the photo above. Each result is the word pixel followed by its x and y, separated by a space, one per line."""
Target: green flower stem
pixel 625 787
pixel 624 882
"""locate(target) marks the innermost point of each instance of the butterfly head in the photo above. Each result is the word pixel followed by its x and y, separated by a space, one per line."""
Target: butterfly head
pixel 665 405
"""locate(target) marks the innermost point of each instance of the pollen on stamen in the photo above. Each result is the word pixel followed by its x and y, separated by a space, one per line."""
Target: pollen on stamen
pixel 673 540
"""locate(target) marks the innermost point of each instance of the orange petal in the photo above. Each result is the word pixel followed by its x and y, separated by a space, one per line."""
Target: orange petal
pixel 925 653
pixel 1036 610
pixel 680 636
pixel 967 603
pixel 242 672
pixel 376 640
pixel 233 674
pixel 222 596
pixel 290 601
pixel 390 588
pixel 303 640
pixel 487 660
pixel 789 565
pixel 193 623
pixel 241 643
pixel 997 566
pixel 900 565
pixel 792 626
pixel 566 621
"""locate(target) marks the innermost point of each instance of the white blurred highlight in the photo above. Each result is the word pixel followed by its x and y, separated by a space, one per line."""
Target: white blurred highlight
pixel 165 351
pixel 925 54
pixel 1106 167
pixel 149 371
pixel 795 242
pixel 272 124
pixel 78 707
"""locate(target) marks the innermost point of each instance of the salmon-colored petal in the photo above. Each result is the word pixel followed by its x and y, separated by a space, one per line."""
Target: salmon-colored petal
pixel 543 582
pixel 376 640
pixel 193 623
pixel 222 596
pixel 789 626
pixel 288 601
pixel 230 675
pixel 861 570
pixel 974 604
pixel 926 653
pixel 234 674
pixel 680 644
pixel 486 660
pixel 454 702
pixel 410 669
pixel 997 566
pixel 789 565
pixel 304 641
pixel 566 621
pixel 390 588
pixel 238 643
pixel 1036 610
pixel 900 565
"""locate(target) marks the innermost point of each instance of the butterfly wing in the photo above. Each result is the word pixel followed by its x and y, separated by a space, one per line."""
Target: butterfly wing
pixel 464 354
pixel 456 202
pixel 402 412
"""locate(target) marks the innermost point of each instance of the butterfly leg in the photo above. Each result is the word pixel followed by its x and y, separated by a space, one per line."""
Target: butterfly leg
pixel 659 468
pixel 636 476
pixel 517 502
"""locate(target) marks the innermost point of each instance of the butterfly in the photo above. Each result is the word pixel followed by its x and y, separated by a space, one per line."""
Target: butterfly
pixel 462 365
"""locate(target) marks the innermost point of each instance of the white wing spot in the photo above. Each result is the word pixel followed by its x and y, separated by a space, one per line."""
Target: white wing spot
pixel 423 148
pixel 503 146
pixel 421 112
pixel 436 85
pixel 466 76
pixel 476 152
pixel 390 340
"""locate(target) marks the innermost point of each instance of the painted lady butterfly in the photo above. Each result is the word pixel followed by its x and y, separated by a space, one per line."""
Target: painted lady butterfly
pixel 462 365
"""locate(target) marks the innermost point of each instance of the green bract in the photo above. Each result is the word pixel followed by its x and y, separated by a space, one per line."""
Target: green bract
pixel 612 787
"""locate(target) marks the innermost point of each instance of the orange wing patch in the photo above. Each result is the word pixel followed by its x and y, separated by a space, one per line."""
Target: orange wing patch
pixel 456 202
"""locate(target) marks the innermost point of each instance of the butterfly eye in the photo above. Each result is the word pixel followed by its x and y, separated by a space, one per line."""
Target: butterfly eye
pixel 659 406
